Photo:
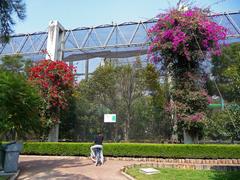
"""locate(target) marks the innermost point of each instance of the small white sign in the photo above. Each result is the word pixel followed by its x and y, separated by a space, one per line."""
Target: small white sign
pixel 149 171
pixel 110 118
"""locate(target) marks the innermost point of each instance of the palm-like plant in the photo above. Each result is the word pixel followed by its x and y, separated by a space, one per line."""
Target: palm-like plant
pixel 19 105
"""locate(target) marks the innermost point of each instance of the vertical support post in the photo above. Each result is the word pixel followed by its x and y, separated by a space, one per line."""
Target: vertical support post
pixel 174 137
pixel 55 45
pixel 55 41
pixel 222 103
pixel 86 69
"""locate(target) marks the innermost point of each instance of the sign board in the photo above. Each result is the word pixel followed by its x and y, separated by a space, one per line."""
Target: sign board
pixel 110 118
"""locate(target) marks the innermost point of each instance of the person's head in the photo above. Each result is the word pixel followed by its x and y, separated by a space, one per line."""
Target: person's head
pixel 99 133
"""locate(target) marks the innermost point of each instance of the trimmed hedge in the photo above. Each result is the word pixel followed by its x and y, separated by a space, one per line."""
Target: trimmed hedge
pixel 136 150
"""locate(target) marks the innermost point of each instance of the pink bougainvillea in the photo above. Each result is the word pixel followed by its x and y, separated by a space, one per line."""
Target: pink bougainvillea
pixel 188 34
pixel 181 40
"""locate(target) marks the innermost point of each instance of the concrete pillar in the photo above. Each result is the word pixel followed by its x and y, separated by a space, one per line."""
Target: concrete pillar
pixel 189 139
pixel 55 41
pixel 86 69
pixel 55 45
pixel 54 133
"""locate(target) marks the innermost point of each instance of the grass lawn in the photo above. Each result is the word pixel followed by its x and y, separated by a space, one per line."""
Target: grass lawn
pixel 4 177
pixel 185 174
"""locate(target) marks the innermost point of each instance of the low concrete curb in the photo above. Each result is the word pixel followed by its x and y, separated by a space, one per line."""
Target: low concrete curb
pixel 126 175
pixel 222 167
pixel 190 165
pixel 13 177
pixel 181 161
pixel 156 160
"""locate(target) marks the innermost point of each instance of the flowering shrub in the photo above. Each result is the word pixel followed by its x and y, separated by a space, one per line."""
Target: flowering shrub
pixel 189 106
pixel 184 34
pixel 180 40
pixel 55 80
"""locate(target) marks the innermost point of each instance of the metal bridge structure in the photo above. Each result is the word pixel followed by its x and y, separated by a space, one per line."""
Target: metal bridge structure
pixel 87 47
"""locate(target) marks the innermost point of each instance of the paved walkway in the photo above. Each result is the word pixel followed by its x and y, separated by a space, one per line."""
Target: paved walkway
pixel 73 168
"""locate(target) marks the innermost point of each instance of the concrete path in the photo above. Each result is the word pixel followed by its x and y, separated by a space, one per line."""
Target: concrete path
pixel 73 168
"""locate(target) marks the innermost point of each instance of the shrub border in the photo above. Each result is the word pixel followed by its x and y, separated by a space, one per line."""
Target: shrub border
pixel 137 150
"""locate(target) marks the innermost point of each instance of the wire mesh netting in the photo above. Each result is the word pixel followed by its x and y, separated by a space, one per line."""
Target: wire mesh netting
pixel 120 41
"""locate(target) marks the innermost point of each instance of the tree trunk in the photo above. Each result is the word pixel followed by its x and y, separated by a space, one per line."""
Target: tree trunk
pixel 116 137
pixel 126 130
pixel 53 134
pixel 189 139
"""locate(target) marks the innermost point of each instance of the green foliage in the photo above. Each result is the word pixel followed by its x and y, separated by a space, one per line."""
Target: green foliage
pixel 68 119
pixel 15 64
pixel 133 92
pixel 189 105
pixel 96 96
pixel 4 177
pixel 226 70
pixel 143 118
pixel 184 174
pixel 152 84
pixel 19 104
pixel 224 125
pixel 70 149
pixel 8 10
pixel 162 127
pixel 216 126
pixel 136 150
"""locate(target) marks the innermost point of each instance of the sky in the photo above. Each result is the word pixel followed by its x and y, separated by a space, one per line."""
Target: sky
pixel 80 13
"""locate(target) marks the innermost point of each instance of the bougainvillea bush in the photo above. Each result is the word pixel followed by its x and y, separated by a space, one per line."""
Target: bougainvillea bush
pixel 55 80
pixel 181 41
pixel 189 104
pixel 184 34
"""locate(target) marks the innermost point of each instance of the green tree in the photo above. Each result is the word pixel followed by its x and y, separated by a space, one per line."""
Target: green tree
pixel 142 125
pixel 19 105
pixel 224 125
pixel 158 94
pixel 8 10
pixel 102 92
pixel 15 64
pixel 127 90
pixel 131 88
pixel 226 70
pixel 14 72
pixel 83 117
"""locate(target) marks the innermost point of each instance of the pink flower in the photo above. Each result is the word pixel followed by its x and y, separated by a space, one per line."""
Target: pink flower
pixel 178 33
pixel 210 100
pixel 196 117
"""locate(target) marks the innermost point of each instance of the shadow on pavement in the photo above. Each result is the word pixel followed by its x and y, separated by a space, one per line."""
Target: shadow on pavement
pixel 49 169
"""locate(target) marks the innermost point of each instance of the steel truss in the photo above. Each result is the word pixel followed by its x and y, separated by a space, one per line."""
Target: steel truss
pixel 107 41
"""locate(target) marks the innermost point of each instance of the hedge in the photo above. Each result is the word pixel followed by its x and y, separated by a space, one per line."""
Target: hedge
pixel 136 150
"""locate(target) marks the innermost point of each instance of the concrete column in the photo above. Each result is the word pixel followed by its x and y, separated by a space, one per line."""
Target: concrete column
pixel 54 133
pixel 55 45
pixel 86 69
pixel 55 41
